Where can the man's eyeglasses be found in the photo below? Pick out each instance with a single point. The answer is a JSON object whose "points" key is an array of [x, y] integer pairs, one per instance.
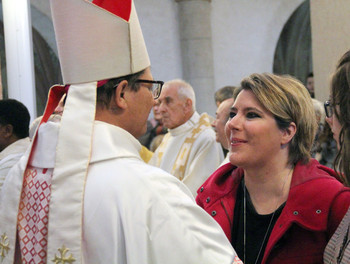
{"points": [[156, 88], [328, 107]]}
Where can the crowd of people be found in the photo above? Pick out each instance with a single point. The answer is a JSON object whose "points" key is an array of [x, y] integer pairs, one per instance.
{"points": [[96, 180]]}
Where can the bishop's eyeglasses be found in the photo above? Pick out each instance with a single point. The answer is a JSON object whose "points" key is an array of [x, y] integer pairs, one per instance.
{"points": [[156, 86]]}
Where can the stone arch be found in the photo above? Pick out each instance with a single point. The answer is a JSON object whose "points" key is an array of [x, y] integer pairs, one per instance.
{"points": [[293, 54]]}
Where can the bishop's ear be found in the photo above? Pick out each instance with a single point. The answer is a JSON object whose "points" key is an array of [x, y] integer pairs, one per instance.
{"points": [[120, 94]]}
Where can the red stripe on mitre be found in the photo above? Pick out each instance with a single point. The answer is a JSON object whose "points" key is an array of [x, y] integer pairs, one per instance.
{"points": [[121, 8]]}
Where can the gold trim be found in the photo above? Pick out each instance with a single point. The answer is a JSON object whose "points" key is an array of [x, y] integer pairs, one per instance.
{"points": [[4, 246], [181, 160], [63, 259], [161, 148], [184, 153]]}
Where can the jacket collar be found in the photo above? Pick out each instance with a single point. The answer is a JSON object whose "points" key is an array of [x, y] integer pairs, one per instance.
{"points": [[220, 182], [219, 185]]}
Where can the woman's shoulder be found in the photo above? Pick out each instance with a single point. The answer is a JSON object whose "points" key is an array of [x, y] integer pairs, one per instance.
{"points": [[315, 180], [314, 171], [221, 182]]}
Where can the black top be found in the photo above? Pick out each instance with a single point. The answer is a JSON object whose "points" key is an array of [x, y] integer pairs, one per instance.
{"points": [[255, 230]]}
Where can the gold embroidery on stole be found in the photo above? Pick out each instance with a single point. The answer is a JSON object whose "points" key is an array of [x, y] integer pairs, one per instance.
{"points": [[162, 148], [63, 259], [4, 246], [181, 160]]}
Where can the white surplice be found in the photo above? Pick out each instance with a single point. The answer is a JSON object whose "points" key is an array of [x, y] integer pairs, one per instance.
{"points": [[11, 155], [132, 212], [203, 158]]}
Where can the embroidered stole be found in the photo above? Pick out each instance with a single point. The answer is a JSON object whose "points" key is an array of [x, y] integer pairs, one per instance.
{"points": [[181, 160], [33, 214]]}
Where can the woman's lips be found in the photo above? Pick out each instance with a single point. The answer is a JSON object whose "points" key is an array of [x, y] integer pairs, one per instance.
{"points": [[237, 141]]}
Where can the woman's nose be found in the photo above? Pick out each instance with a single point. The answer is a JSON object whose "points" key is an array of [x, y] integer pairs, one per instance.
{"points": [[234, 122]]}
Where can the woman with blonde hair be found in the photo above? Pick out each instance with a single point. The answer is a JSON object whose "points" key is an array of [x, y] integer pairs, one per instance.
{"points": [[338, 117], [274, 203]]}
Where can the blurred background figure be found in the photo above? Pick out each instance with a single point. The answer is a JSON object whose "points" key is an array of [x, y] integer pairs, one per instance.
{"points": [[155, 128], [328, 146], [223, 93], [320, 119], [309, 83], [14, 131], [338, 117], [156, 141], [222, 115]]}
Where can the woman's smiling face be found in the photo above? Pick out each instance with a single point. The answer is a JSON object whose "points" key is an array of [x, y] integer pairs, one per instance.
{"points": [[254, 137]]}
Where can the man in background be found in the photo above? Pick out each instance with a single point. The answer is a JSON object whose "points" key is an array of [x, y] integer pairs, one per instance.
{"points": [[189, 150], [14, 131], [223, 93], [155, 128], [310, 84], [222, 115]]}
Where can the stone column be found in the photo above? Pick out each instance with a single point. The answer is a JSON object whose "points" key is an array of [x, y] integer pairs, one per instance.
{"points": [[197, 51], [19, 53], [330, 27]]}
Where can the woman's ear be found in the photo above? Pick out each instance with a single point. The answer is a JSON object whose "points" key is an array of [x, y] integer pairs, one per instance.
{"points": [[119, 97], [288, 133]]}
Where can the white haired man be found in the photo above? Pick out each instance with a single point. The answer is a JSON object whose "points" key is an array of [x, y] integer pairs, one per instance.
{"points": [[189, 150]]}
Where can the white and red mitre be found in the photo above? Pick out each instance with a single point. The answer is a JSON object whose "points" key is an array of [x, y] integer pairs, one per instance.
{"points": [[96, 41]]}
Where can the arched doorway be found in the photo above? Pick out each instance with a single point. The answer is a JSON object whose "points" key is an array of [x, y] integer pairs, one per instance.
{"points": [[293, 53], [47, 68]]}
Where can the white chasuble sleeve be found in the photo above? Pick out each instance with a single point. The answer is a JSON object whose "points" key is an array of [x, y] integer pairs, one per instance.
{"points": [[138, 214]]}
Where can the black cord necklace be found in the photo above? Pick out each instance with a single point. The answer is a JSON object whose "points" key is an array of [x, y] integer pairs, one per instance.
{"points": [[245, 220]]}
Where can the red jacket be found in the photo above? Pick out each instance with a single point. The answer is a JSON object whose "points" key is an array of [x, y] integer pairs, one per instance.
{"points": [[316, 204]]}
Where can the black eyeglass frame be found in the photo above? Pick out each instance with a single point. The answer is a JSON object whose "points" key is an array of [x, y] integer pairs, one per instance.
{"points": [[155, 92], [328, 107]]}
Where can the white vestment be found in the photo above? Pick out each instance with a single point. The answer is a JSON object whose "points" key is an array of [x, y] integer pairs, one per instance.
{"points": [[133, 213], [189, 153], [226, 160], [10, 156]]}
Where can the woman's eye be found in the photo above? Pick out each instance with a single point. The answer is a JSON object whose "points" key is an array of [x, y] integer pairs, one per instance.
{"points": [[232, 114], [252, 115]]}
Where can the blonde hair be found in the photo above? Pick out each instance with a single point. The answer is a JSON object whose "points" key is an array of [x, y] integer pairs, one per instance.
{"points": [[289, 101]]}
